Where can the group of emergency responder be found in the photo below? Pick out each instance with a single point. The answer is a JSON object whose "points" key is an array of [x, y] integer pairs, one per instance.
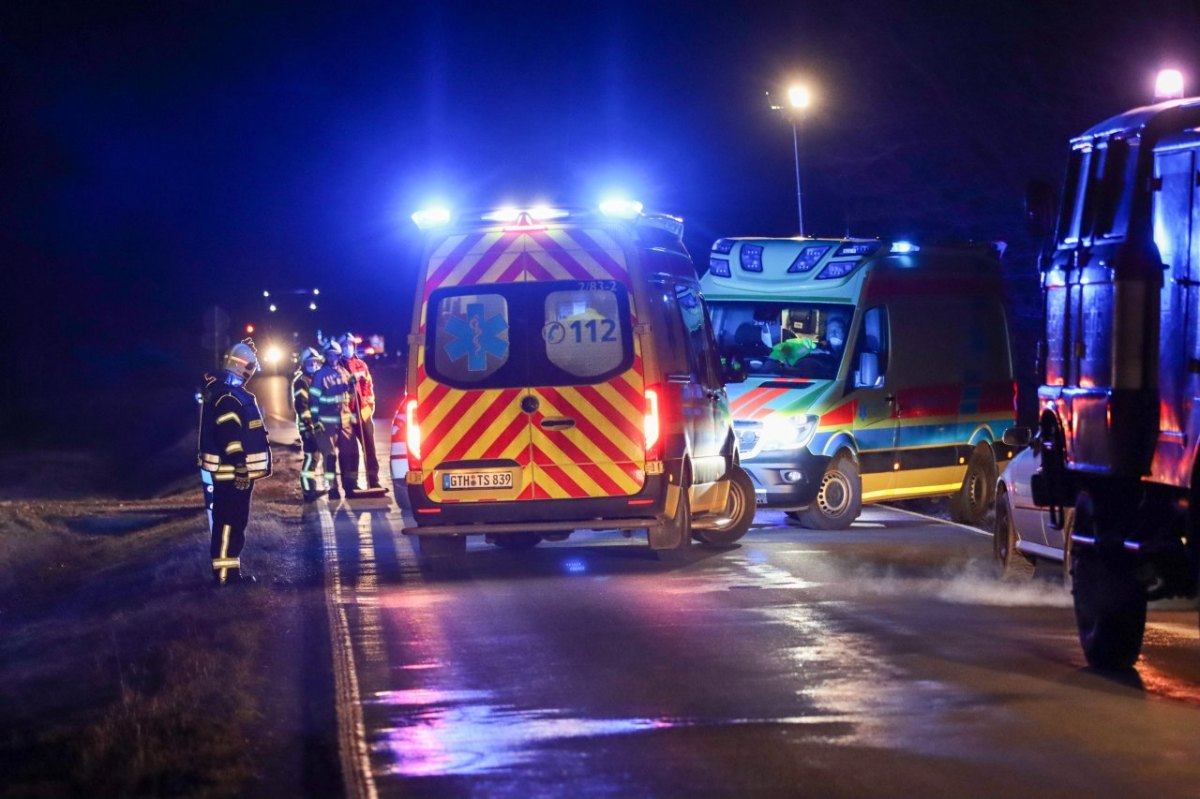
{"points": [[333, 396]]}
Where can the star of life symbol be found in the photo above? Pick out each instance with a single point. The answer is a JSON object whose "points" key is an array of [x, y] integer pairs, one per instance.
{"points": [[475, 338]]}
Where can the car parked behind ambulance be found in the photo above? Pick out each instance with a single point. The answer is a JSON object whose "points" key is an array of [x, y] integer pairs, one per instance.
{"points": [[563, 375], [874, 371]]}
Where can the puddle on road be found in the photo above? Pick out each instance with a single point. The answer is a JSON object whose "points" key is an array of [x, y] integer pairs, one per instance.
{"points": [[466, 732], [120, 523]]}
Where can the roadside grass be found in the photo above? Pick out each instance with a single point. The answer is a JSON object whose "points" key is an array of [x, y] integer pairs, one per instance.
{"points": [[123, 673]]}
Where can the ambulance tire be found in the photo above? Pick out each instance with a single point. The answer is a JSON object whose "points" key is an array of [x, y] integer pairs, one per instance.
{"points": [[444, 553], [970, 503], [518, 541], [738, 515], [839, 498], [679, 527], [1110, 603]]}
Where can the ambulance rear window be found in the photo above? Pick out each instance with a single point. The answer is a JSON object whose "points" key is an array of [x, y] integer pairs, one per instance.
{"points": [[538, 333]]}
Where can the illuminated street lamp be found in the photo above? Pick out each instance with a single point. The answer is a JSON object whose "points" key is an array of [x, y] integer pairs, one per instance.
{"points": [[798, 100], [1168, 85]]}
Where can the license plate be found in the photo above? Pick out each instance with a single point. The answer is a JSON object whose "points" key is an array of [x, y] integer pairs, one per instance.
{"points": [[460, 481]]}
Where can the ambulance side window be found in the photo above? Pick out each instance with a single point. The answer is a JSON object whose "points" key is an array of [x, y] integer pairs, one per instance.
{"points": [[700, 345], [871, 352]]}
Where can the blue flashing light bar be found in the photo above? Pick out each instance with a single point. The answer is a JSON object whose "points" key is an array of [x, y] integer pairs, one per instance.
{"points": [[837, 269], [751, 257], [723, 246], [435, 216], [621, 208], [719, 267], [807, 259], [862, 248], [904, 247]]}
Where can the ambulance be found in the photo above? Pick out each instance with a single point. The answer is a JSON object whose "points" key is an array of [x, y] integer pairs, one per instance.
{"points": [[563, 375], [873, 371]]}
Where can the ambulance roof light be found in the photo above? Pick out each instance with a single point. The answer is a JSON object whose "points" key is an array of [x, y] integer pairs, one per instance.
{"points": [[434, 216], [904, 247], [620, 207], [509, 214], [1168, 85]]}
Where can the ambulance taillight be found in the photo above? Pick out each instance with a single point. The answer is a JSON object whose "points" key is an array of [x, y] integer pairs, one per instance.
{"points": [[651, 426], [412, 434]]}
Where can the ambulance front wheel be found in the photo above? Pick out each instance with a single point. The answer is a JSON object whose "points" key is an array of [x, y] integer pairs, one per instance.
{"points": [[839, 497], [733, 522], [970, 504]]}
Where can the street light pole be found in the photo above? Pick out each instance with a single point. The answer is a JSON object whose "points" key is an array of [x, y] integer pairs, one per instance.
{"points": [[799, 201]]}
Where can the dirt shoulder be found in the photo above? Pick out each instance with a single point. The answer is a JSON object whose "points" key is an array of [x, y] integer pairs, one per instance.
{"points": [[123, 673]]}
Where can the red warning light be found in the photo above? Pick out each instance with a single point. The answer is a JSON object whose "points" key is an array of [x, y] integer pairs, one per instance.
{"points": [[249, 328]]}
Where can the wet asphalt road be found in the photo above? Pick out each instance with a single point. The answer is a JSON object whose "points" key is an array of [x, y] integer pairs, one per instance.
{"points": [[880, 661]]}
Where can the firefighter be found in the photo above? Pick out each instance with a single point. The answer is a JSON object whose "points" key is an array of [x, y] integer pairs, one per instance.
{"points": [[331, 393], [363, 406], [314, 444], [233, 455]]}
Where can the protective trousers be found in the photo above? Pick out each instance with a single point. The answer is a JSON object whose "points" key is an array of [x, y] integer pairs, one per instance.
{"points": [[342, 439], [316, 454], [365, 431], [230, 514]]}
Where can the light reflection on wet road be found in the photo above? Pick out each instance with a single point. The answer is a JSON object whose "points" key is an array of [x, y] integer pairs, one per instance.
{"points": [[883, 660]]}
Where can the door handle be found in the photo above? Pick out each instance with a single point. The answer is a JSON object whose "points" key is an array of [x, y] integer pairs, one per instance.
{"points": [[557, 423]]}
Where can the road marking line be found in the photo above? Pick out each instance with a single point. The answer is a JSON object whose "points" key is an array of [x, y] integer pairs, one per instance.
{"points": [[357, 778], [967, 527]]}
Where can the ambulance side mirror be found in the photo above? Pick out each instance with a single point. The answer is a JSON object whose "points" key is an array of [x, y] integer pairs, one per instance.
{"points": [[868, 370]]}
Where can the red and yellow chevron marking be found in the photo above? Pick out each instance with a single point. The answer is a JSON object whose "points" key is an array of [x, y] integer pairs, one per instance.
{"points": [[496, 256], [603, 455]]}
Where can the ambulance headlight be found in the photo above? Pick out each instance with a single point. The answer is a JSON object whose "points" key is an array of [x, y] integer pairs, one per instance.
{"points": [[789, 432]]}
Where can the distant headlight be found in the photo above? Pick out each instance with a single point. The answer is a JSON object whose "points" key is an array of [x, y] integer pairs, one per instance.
{"points": [[273, 355], [789, 432]]}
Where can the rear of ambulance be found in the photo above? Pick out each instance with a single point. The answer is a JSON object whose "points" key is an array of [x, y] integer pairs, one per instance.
{"points": [[527, 408]]}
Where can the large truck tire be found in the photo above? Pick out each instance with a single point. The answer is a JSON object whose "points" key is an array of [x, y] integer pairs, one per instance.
{"points": [[970, 503], [839, 498], [1110, 604], [733, 522]]}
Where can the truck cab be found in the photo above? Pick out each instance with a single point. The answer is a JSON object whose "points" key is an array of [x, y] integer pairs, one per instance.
{"points": [[1119, 418]]}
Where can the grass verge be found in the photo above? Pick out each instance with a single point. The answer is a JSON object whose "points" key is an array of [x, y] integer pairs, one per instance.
{"points": [[123, 673]]}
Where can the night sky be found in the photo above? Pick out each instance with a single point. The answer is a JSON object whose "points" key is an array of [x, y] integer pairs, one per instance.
{"points": [[160, 158]]}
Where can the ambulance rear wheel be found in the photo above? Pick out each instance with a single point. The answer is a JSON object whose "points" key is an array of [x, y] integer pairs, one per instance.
{"points": [[733, 522], [839, 498], [970, 504], [677, 530]]}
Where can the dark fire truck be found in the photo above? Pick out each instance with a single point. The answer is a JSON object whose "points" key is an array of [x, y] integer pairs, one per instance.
{"points": [[1120, 401]]}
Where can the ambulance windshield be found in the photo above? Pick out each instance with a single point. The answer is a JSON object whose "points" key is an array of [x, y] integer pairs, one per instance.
{"points": [[787, 339]]}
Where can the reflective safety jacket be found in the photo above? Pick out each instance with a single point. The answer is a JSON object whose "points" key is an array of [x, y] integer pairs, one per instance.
{"points": [[363, 384], [232, 434], [306, 419], [330, 396]]}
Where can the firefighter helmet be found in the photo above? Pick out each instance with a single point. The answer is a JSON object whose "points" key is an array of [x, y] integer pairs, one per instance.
{"points": [[242, 360], [311, 360], [349, 344], [332, 348]]}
